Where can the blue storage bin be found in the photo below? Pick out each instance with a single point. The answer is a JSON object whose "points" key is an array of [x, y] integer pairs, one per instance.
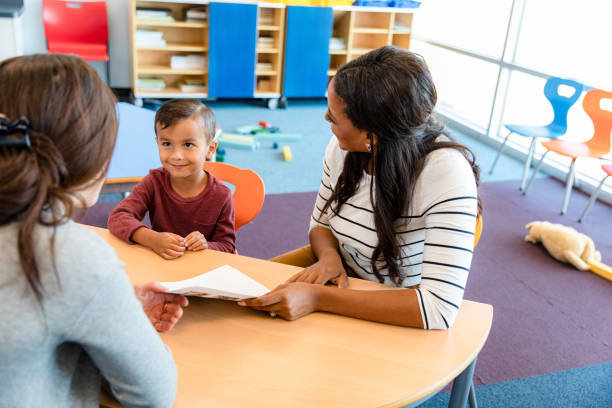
{"points": [[374, 3], [406, 3]]}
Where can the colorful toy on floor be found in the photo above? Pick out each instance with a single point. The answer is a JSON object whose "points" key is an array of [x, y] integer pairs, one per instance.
{"points": [[264, 132], [220, 155], [227, 142], [287, 153], [565, 244]]}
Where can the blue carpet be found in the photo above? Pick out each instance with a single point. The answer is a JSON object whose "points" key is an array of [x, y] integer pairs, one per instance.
{"points": [[583, 387], [305, 117]]}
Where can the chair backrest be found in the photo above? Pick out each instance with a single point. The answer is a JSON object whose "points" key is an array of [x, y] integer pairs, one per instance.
{"points": [[249, 190], [602, 120], [561, 104], [478, 231], [76, 22]]}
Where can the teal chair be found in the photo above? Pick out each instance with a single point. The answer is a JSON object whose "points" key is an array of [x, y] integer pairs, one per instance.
{"points": [[558, 127]]}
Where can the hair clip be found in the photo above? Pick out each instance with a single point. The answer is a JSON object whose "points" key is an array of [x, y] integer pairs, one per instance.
{"points": [[9, 132]]}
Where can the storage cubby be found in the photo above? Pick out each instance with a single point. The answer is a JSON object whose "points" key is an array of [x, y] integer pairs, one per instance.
{"points": [[363, 31], [363, 43], [261, 50], [269, 50], [372, 21], [170, 47]]}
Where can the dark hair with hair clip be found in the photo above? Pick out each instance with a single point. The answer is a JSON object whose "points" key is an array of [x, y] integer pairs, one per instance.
{"points": [[389, 93], [9, 132], [57, 134]]}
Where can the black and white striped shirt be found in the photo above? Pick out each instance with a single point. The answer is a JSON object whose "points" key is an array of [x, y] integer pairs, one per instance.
{"points": [[436, 237]]}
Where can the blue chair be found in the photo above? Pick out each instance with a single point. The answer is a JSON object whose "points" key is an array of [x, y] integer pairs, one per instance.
{"points": [[558, 127]]}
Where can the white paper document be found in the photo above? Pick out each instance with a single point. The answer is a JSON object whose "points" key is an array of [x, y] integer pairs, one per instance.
{"points": [[224, 282]]}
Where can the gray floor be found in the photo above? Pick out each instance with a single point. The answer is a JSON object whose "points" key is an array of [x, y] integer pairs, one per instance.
{"points": [[303, 172]]}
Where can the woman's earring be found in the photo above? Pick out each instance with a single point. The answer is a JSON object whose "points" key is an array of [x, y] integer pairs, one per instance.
{"points": [[369, 147]]}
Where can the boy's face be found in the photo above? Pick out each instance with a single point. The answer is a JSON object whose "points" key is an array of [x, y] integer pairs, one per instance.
{"points": [[183, 148]]}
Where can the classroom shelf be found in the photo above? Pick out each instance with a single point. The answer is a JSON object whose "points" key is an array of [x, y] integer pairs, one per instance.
{"points": [[174, 47], [367, 30], [290, 45], [171, 92], [270, 34], [162, 70], [174, 24], [269, 28], [267, 50]]}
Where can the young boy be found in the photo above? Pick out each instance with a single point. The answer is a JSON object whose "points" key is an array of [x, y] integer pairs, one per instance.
{"points": [[189, 208]]}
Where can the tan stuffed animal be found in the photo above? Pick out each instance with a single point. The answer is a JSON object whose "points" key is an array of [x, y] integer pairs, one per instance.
{"points": [[564, 243]]}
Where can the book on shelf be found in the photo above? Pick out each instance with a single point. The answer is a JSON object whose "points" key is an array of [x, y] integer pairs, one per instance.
{"points": [[264, 66], [192, 85], [265, 42], [151, 84], [266, 16], [152, 12], [188, 62], [196, 14], [336, 43], [155, 19], [225, 283], [149, 38]]}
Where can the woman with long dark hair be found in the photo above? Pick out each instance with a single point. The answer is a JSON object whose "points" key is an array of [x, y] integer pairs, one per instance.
{"points": [[397, 204]]}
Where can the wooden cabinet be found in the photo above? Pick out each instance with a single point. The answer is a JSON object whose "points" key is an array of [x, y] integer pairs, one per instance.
{"points": [[363, 29], [155, 40], [307, 51], [269, 49], [204, 49], [232, 50]]}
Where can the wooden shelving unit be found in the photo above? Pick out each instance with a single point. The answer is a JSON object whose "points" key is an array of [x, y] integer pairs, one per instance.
{"points": [[260, 57], [269, 50], [363, 31], [182, 38]]}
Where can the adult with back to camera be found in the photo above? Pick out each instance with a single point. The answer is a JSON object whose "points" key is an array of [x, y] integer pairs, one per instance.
{"points": [[70, 315]]}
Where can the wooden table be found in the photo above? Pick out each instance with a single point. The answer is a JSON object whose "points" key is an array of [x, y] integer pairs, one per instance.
{"points": [[230, 356]]}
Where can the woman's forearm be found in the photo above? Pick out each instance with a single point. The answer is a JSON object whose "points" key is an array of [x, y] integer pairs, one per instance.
{"points": [[323, 243], [394, 306]]}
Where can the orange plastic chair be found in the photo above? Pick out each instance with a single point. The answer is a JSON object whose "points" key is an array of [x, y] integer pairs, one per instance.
{"points": [[596, 147], [478, 231], [607, 168], [249, 193]]}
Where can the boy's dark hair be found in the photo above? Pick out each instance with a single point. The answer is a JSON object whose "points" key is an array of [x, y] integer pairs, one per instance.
{"points": [[177, 109]]}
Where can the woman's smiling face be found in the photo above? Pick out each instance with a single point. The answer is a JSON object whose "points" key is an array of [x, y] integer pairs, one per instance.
{"points": [[349, 137]]}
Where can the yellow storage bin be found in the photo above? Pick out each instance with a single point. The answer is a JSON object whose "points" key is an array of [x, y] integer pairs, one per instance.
{"points": [[331, 3], [305, 2]]}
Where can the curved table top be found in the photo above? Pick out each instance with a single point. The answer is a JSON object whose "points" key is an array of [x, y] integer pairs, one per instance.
{"points": [[232, 356]]}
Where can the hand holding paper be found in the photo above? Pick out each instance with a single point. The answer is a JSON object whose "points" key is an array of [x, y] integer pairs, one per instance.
{"points": [[224, 282]]}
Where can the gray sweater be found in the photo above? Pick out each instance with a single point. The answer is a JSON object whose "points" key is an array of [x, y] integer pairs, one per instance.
{"points": [[90, 326]]}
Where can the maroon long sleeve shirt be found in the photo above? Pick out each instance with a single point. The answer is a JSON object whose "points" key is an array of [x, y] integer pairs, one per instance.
{"points": [[211, 212]]}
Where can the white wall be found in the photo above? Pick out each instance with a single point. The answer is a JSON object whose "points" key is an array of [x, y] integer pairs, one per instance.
{"points": [[118, 31]]}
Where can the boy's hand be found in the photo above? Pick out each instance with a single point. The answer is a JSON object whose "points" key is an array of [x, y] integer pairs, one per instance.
{"points": [[168, 245], [196, 241]]}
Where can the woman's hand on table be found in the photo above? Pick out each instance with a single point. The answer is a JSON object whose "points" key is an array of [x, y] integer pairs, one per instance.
{"points": [[163, 309], [321, 272], [289, 300]]}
